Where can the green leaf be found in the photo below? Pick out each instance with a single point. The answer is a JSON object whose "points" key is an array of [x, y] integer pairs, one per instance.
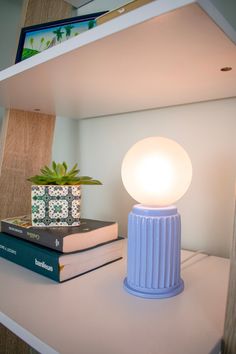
{"points": [[91, 181], [54, 166], [47, 172], [60, 170], [73, 174], [65, 166], [74, 169], [58, 175], [81, 178]]}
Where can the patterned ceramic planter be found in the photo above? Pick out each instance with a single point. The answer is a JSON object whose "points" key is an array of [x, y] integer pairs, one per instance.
{"points": [[55, 205]]}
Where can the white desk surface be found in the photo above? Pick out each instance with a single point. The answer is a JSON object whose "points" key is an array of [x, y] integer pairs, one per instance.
{"points": [[92, 314]]}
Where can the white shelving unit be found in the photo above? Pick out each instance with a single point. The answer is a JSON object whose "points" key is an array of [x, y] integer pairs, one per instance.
{"points": [[166, 53], [93, 314], [161, 54]]}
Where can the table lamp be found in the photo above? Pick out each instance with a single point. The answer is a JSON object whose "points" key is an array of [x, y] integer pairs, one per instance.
{"points": [[156, 172]]}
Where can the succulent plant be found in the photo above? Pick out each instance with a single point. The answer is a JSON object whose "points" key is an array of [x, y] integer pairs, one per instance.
{"points": [[58, 174]]}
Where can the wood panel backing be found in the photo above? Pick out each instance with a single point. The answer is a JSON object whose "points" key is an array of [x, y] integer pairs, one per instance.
{"points": [[229, 340], [10, 343], [26, 144], [26, 141], [40, 11]]}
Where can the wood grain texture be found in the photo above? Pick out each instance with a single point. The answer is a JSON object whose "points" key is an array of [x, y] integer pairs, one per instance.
{"points": [[26, 137], [28, 143], [40, 11], [229, 340], [10, 343]]}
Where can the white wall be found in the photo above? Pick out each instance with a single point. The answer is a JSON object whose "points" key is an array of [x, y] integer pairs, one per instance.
{"points": [[100, 5], [227, 9], [10, 21], [206, 130], [223, 13], [2, 113], [65, 143]]}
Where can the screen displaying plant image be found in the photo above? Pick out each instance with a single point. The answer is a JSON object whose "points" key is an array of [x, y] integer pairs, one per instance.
{"points": [[38, 38], [37, 41]]}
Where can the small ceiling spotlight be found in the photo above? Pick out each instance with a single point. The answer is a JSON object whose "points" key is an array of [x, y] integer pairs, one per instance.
{"points": [[226, 68]]}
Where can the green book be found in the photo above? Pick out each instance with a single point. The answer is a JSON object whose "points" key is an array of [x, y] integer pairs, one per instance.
{"points": [[56, 265]]}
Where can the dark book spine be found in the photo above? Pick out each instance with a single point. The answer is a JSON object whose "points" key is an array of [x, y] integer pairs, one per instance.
{"points": [[29, 234], [30, 256]]}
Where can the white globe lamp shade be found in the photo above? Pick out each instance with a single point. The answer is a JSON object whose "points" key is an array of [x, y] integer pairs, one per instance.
{"points": [[156, 171]]}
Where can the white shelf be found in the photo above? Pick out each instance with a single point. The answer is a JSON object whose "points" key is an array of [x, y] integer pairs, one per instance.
{"points": [[93, 314], [161, 54]]}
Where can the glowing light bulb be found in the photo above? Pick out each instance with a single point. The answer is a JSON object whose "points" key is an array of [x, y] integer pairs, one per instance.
{"points": [[156, 171]]}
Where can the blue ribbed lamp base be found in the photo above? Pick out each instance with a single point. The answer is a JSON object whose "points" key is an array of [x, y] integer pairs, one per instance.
{"points": [[154, 245], [157, 294]]}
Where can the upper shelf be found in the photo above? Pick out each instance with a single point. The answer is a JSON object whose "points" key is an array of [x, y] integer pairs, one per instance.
{"points": [[161, 54]]}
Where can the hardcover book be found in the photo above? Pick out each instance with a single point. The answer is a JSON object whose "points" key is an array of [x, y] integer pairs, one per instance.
{"points": [[56, 265], [63, 239]]}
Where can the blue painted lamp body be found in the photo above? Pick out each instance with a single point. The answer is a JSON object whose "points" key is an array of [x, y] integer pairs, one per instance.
{"points": [[154, 245]]}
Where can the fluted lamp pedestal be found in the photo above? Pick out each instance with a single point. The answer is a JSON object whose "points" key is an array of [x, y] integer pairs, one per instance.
{"points": [[154, 245]]}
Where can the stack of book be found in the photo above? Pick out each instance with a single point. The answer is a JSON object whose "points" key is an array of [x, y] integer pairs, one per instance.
{"points": [[60, 253]]}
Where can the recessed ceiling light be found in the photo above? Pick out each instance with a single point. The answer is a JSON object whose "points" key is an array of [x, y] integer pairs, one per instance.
{"points": [[226, 68]]}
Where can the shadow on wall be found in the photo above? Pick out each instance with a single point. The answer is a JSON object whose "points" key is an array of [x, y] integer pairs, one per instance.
{"points": [[2, 113], [1, 118], [100, 5], [10, 23]]}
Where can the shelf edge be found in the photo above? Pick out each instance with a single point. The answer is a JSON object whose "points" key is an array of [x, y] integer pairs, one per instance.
{"points": [[132, 18]]}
